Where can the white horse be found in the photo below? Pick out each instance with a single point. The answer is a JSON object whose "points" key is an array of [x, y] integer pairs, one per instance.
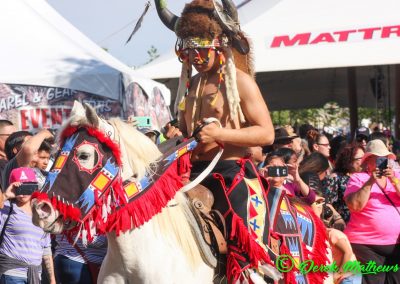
{"points": [[163, 250]]}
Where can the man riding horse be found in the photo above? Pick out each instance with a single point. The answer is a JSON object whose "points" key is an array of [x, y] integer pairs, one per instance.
{"points": [[210, 39]]}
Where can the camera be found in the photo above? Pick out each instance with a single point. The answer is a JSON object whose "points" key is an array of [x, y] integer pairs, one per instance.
{"points": [[277, 171], [326, 212], [381, 164], [26, 188], [143, 121]]}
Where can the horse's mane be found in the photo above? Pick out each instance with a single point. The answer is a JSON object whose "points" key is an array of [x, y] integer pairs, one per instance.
{"points": [[139, 156], [175, 222], [139, 153]]}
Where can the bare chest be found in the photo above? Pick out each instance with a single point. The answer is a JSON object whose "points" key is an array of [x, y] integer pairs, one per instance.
{"points": [[206, 100]]}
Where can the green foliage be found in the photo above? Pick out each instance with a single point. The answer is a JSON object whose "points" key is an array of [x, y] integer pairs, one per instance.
{"points": [[153, 54], [329, 115]]}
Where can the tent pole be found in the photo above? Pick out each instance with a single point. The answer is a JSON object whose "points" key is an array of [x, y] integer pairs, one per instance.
{"points": [[397, 102], [353, 105]]}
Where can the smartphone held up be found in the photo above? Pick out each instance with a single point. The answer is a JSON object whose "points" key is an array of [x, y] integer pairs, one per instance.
{"points": [[277, 171], [381, 164], [26, 188]]}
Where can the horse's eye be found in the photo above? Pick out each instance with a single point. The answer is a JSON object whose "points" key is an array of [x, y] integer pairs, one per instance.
{"points": [[87, 157], [83, 156]]}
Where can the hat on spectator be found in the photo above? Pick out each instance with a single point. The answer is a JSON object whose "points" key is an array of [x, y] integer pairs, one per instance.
{"points": [[22, 175], [376, 148], [282, 136], [362, 132], [148, 130]]}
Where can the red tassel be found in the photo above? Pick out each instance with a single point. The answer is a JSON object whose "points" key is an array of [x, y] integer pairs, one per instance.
{"points": [[247, 243], [140, 210], [319, 253], [289, 277], [40, 196], [233, 269]]}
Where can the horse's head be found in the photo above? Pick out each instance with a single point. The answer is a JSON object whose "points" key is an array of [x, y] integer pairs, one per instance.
{"points": [[84, 185]]}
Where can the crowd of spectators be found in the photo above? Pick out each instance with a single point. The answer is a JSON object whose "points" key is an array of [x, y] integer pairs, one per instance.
{"points": [[354, 183], [27, 253], [342, 179]]}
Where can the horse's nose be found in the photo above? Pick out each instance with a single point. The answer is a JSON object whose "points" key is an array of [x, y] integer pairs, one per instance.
{"points": [[43, 210]]}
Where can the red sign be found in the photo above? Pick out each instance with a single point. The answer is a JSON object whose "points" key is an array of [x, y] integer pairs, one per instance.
{"points": [[336, 37], [43, 117]]}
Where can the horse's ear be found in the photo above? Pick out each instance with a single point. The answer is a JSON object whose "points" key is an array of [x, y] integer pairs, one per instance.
{"points": [[91, 115], [77, 109]]}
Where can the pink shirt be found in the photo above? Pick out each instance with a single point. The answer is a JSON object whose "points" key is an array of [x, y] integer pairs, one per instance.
{"points": [[378, 223]]}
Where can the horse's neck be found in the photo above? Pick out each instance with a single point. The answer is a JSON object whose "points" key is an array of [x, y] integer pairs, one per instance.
{"points": [[163, 246], [168, 231]]}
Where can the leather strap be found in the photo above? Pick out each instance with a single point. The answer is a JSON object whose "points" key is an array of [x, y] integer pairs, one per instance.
{"points": [[5, 223]]}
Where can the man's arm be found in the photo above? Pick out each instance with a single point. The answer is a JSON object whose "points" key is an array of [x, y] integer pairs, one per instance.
{"points": [[30, 147], [49, 266], [259, 133]]}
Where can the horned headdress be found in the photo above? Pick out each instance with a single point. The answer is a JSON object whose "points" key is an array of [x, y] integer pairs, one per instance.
{"points": [[210, 24]]}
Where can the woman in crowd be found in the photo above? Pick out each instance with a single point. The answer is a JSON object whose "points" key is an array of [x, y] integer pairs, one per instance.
{"points": [[293, 182], [23, 246], [294, 187], [348, 161], [318, 142], [315, 163], [373, 197], [337, 144]]}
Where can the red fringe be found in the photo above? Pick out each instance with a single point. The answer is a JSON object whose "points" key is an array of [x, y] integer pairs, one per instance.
{"points": [[67, 211], [233, 269], [289, 276], [101, 136], [143, 208], [319, 253], [128, 215], [245, 243]]}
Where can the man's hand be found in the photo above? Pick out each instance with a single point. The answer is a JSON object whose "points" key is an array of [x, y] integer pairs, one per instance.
{"points": [[209, 133], [171, 131]]}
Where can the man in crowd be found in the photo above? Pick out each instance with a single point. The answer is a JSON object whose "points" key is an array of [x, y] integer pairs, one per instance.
{"points": [[6, 129], [362, 136], [21, 149]]}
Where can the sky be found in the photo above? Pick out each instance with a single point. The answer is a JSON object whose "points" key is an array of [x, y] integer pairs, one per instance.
{"points": [[109, 24]]}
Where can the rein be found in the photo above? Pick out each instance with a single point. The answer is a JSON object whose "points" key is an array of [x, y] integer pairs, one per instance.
{"points": [[214, 161], [178, 151]]}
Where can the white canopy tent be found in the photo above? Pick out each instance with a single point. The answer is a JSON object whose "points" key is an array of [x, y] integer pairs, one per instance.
{"points": [[40, 48], [311, 34]]}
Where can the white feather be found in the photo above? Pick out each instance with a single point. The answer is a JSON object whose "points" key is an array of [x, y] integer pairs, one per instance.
{"points": [[256, 278], [271, 271]]}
